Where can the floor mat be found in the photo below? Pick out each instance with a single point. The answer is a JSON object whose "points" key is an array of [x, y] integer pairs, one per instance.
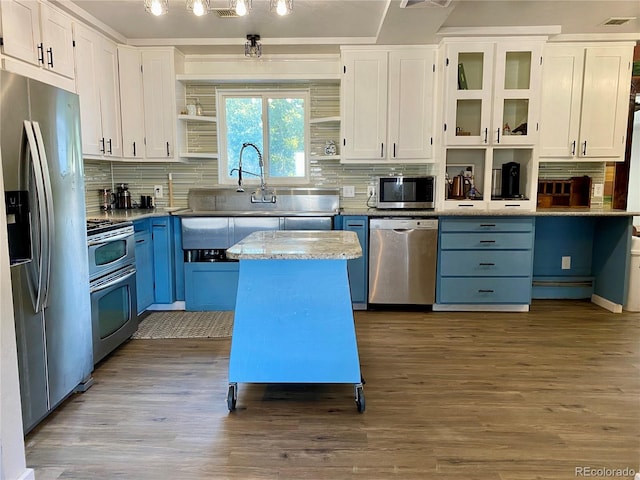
{"points": [[178, 324]]}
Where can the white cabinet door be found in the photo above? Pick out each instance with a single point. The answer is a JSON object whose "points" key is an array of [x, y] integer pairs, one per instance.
{"points": [[364, 95], [158, 80], [469, 87], [585, 101], [57, 38], [492, 93], [97, 86], [561, 99], [516, 94], [87, 51], [131, 101], [21, 30], [605, 98], [107, 70], [411, 107]]}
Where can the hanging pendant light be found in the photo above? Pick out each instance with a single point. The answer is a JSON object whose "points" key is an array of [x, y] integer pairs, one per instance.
{"points": [[156, 7], [253, 47], [281, 7], [199, 7], [241, 7]]}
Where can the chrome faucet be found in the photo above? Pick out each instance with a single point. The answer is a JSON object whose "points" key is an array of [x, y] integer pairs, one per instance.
{"points": [[261, 195]]}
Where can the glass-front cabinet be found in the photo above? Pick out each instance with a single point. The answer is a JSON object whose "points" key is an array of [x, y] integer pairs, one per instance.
{"points": [[492, 92]]}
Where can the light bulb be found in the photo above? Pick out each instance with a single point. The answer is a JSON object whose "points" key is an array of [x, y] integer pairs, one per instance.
{"points": [[156, 8], [198, 8], [241, 8], [281, 7]]}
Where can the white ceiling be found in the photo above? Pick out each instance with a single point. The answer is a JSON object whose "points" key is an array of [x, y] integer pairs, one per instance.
{"points": [[320, 26]]}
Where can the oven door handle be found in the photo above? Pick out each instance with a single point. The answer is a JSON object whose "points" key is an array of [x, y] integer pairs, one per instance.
{"points": [[112, 283], [110, 239]]}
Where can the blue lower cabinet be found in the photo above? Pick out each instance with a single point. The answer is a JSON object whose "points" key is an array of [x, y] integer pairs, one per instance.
{"points": [[485, 261], [144, 269], [210, 285], [163, 259], [357, 267], [178, 259]]}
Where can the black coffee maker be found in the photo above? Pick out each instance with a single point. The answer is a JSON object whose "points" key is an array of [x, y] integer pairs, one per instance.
{"points": [[511, 180]]}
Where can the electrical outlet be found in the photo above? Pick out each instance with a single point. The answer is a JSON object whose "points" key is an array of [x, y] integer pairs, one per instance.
{"points": [[371, 191], [598, 189], [157, 189], [566, 263], [348, 191]]}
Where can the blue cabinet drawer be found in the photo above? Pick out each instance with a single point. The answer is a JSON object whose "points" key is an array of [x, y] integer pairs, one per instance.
{"points": [[486, 224], [485, 290], [486, 241], [492, 263]]}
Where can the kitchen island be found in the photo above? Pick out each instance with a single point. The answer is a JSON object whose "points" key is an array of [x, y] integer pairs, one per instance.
{"points": [[293, 317]]}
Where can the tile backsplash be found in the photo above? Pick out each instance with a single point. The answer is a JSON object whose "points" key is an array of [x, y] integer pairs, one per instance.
{"points": [[142, 176]]}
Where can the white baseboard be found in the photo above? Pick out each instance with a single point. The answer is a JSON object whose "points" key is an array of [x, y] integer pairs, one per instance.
{"points": [[27, 475], [606, 304], [440, 307], [180, 305]]}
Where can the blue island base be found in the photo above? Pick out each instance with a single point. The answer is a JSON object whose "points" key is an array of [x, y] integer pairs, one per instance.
{"points": [[293, 324]]}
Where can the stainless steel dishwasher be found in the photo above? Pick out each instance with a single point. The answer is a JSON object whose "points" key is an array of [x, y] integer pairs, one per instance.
{"points": [[402, 260]]}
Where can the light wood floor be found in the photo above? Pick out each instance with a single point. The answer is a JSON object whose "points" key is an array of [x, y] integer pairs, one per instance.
{"points": [[449, 396]]}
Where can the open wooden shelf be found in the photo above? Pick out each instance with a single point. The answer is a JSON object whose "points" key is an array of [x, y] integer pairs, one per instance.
{"points": [[574, 192]]}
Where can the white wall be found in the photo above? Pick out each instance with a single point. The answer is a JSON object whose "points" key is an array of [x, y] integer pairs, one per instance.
{"points": [[12, 459], [633, 199]]}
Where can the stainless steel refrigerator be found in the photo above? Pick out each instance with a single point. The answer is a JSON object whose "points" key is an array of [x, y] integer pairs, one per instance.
{"points": [[40, 146]]}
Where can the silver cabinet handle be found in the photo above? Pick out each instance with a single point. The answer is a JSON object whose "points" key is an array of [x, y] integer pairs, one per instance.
{"points": [[381, 150], [41, 53], [573, 148], [584, 148], [498, 135], [102, 149], [110, 149], [50, 55], [486, 135], [168, 154]]}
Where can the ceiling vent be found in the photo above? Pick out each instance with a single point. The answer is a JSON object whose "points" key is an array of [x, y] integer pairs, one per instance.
{"points": [[225, 12], [618, 20], [424, 3]]}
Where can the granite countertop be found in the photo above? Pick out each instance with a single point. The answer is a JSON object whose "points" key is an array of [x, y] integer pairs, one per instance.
{"points": [[297, 245], [565, 212], [140, 213], [131, 214]]}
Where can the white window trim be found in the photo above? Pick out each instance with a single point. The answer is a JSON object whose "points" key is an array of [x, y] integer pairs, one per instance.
{"points": [[223, 161]]}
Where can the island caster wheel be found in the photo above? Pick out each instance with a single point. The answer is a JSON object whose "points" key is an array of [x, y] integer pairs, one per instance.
{"points": [[360, 399], [232, 396]]}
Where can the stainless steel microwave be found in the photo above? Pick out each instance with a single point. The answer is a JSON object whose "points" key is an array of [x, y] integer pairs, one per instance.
{"points": [[406, 192]]}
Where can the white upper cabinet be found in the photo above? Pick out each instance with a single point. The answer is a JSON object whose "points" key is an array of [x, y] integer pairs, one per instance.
{"points": [[387, 105], [131, 101], [97, 86], [38, 34], [585, 101], [364, 105], [57, 37], [159, 85], [492, 92]]}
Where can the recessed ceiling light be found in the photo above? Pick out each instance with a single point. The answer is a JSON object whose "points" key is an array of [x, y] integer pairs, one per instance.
{"points": [[615, 21]]}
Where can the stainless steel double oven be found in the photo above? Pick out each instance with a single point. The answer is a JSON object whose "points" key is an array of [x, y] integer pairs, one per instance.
{"points": [[112, 283]]}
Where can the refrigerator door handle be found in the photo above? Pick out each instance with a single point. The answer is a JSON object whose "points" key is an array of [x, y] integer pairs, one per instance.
{"points": [[48, 195], [39, 245]]}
